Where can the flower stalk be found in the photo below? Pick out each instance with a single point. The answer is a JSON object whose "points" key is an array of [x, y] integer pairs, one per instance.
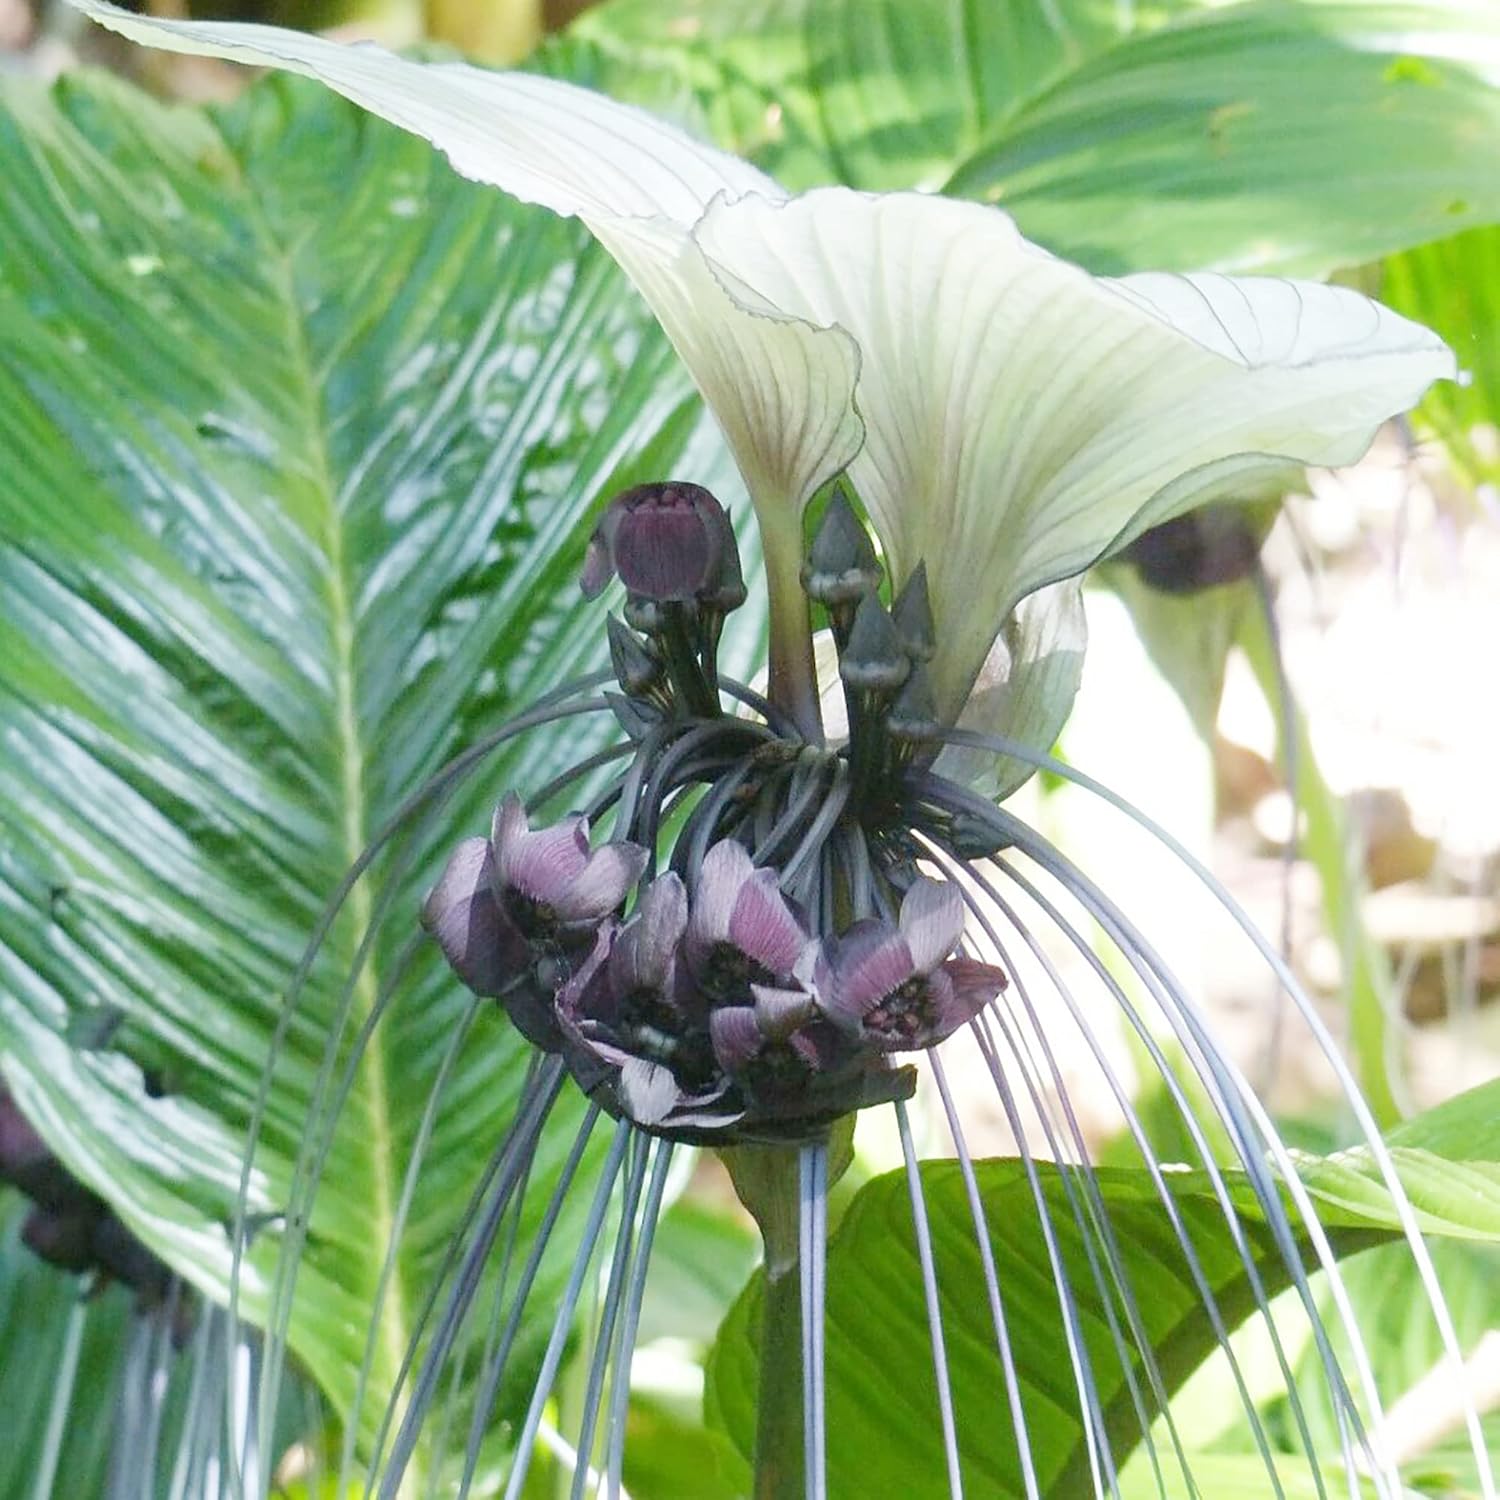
{"points": [[766, 1179]]}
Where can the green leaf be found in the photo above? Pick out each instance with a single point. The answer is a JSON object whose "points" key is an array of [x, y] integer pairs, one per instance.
{"points": [[882, 1417], [301, 435], [667, 1458], [701, 1258], [1266, 135], [80, 1360], [59, 1376], [1454, 287]]}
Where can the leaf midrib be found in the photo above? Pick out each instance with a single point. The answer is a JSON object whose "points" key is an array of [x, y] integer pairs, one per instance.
{"points": [[392, 1317]]}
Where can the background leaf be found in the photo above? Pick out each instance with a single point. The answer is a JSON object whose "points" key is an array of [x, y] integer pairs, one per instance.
{"points": [[301, 436], [1293, 136], [882, 1411], [82, 1368], [1454, 287]]}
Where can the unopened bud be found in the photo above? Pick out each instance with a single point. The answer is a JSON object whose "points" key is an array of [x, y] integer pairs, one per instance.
{"points": [[841, 566], [668, 542], [1200, 550], [913, 716], [975, 838], [912, 613], [645, 615], [634, 715], [638, 668], [873, 660]]}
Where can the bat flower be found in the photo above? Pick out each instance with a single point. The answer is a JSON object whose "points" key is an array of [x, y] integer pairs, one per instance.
{"points": [[895, 988], [635, 1023], [1004, 420], [792, 1068], [524, 896], [742, 931], [666, 542]]}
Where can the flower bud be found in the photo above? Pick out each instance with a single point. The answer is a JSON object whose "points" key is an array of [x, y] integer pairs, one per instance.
{"points": [[1200, 550], [912, 614], [638, 668], [841, 567], [873, 661], [668, 542], [913, 716]]}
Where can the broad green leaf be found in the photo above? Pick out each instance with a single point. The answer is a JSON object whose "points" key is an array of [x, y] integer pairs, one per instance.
{"points": [[59, 1374], [301, 434], [667, 1458], [882, 1411], [83, 1369], [1266, 135], [1454, 287]]}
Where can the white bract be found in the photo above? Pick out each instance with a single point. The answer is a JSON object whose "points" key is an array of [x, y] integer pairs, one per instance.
{"points": [[1003, 414]]}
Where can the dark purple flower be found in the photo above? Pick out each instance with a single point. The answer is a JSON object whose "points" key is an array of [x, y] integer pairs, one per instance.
{"points": [[481, 943], [669, 542], [632, 1008], [774, 1046], [795, 1070], [505, 903], [27, 1162], [550, 881], [742, 930], [891, 988]]}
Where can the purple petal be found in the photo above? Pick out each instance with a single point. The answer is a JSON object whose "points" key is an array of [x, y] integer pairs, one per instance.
{"points": [[763, 926], [545, 864], [726, 868], [805, 1045], [868, 962], [576, 998], [602, 884], [648, 1091], [507, 830], [662, 548], [736, 1037], [932, 922], [598, 565], [779, 1013], [974, 986], [477, 938], [646, 949]]}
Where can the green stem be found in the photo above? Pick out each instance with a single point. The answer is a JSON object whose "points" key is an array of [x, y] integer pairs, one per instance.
{"points": [[765, 1177], [1368, 986], [793, 679], [683, 667], [778, 1427]]}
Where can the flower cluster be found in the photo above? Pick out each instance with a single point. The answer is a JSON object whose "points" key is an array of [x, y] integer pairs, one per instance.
{"points": [[706, 1002], [73, 1228], [704, 1015]]}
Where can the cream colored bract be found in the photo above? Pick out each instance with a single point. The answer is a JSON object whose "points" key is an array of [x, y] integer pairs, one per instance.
{"points": [[1004, 415]]}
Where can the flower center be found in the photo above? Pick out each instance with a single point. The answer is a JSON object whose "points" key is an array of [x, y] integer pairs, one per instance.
{"points": [[536, 920], [651, 1026], [777, 1069], [728, 973], [905, 1013]]}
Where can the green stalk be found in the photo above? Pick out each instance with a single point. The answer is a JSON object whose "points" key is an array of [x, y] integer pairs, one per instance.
{"points": [[1368, 987], [683, 667], [765, 1177], [793, 678]]}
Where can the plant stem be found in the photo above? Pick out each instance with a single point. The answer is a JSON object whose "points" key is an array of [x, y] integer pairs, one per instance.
{"points": [[779, 1473], [766, 1179], [793, 680], [1368, 986]]}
